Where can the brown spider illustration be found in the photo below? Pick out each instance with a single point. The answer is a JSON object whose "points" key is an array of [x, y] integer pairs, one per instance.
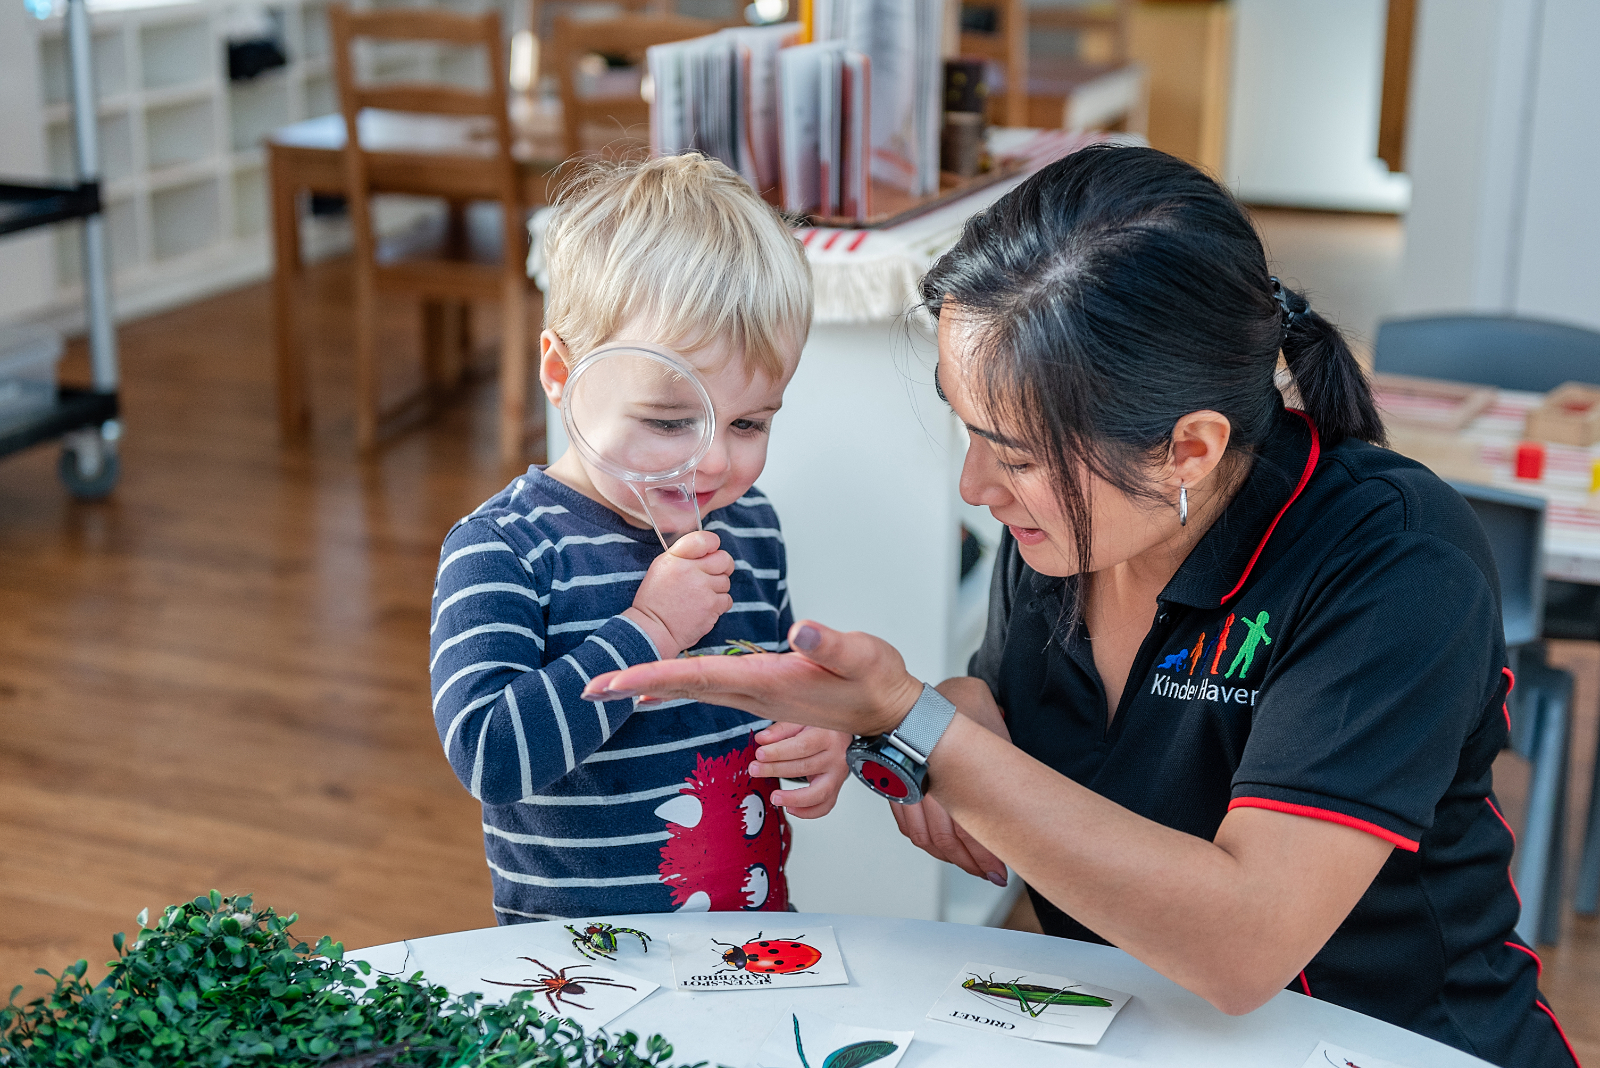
{"points": [[555, 986]]}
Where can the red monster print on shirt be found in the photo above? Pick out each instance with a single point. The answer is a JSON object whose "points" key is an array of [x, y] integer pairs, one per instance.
{"points": [[728, 841]]}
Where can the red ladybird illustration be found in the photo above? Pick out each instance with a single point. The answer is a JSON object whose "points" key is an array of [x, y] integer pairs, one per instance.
{"points": [[727, 840], [771, 956]]}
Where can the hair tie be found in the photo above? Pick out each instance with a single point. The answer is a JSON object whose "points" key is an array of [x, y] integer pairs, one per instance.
{"points": [[1281, 295]]}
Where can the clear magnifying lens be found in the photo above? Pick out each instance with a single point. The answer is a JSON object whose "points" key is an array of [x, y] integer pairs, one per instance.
{"points": [[641, 415]]}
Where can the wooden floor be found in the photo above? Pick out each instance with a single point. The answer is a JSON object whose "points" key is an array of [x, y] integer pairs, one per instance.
{"points": [[218, 677]]}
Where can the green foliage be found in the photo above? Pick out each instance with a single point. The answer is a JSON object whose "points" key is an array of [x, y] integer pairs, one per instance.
{"points": [[217, 982]]}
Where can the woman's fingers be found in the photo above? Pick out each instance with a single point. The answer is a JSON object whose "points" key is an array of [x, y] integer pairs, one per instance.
{"points": [[778, 732], [854, 683], [931, 829]]}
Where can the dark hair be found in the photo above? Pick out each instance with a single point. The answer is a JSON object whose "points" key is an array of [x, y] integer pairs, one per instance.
{"points": [[1114, 292]]}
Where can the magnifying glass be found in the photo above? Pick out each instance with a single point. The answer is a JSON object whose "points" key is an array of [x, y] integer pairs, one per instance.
{"points": [[642, 416]]}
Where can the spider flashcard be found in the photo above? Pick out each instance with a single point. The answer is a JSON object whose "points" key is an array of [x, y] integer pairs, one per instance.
{"points": [[592, 992], [757, 959], [1006, 1000], [1327, 1055], [806, 1040]]}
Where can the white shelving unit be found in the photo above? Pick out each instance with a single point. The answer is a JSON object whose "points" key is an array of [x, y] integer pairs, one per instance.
{"points": [[185, 179]]}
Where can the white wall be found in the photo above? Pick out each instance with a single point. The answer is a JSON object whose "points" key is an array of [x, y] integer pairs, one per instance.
{"points": [[1303, 115], [1503, 146], [27, 261]]}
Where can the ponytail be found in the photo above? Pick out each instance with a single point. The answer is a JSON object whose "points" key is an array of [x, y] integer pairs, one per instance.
{"points": [[1333, 389]]}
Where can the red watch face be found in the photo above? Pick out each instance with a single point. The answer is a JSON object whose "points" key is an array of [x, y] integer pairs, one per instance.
{"points": [[886, 771], [882, 779]]}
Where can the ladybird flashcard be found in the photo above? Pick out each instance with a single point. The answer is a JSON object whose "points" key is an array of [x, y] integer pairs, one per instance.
{"points": [[592, 992], [806, 1040], [1006, 1000], [757, 958], [1327, 1055]]}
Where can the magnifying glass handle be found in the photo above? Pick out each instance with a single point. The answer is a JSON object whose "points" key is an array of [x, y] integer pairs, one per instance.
{"points": [[670, 506]]}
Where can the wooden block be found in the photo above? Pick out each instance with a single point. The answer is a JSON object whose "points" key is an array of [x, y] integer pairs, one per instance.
{"points": [[1429, 403], [1448, 455], [1570, 415]]}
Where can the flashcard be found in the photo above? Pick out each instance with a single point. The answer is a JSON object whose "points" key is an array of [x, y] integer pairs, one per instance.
{"points": [[591, 992], [1327, 1055], [1045, 1008], [804, 1039], [756, 958]]}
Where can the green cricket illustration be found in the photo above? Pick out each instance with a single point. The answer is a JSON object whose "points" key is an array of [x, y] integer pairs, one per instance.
{"points": [[852, 1056], [1033, 999]]}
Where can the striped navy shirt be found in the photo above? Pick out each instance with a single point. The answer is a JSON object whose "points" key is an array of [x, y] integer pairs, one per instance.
{"points": [[591, 807]]}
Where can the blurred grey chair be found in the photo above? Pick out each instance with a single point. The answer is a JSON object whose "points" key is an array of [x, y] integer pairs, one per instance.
{"points": [[1540, 705], [1494, 350], [1509, 353], [1525, 354]]}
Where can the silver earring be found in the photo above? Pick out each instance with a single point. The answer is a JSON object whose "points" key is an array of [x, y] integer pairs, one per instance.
{"points": [[1183, 505]]}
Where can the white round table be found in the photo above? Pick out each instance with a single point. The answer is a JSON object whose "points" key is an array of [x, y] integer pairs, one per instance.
{"points": [[898, 969]]}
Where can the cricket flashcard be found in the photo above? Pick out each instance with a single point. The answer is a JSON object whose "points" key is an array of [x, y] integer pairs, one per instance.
{"points": [[757, 958], [1327, 1055], [1046, 1008], [806, 1040], [592, 992]]}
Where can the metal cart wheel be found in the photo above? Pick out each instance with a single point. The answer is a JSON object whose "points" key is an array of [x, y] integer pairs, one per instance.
{"points": [[89, 466]]}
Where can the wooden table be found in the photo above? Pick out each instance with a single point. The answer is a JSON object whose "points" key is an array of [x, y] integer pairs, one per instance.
{"points": [[309, 157], [897, 970]]}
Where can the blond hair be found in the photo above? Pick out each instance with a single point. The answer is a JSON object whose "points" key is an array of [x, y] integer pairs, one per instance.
{"points": [[681, 243]]}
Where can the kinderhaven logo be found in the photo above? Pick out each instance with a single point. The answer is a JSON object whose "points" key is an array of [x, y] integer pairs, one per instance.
{"points": [[1188, 681]]}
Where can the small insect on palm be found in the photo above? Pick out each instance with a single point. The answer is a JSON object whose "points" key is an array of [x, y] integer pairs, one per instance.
{"points": [[601, 938], [558, 986], [1031, 998]]}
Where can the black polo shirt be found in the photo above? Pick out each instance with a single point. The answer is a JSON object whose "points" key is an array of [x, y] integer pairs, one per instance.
{"points": [[1332, 648]]}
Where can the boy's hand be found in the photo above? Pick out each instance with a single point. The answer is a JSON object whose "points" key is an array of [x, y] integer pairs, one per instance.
{"points": [[684, 593], [790, 751]]}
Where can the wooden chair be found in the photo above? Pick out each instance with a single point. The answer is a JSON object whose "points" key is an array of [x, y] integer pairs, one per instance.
{"points": [[543, 13], [454, 269], [1079, 92], [628, 36]]}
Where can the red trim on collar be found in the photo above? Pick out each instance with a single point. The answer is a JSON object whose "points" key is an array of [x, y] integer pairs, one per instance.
{"points": [[1326, 814], [1305, 476], [1303, 984]]}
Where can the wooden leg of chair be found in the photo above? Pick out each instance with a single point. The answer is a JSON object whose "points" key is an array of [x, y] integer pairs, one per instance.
{"points": [[366, 364], [294, 408], [435, 340], [465, 340], [513, 370]]}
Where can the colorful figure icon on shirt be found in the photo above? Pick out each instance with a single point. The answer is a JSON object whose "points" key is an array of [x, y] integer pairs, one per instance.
{"points": [[1176, 661], [1255, 636], [727, 841]]}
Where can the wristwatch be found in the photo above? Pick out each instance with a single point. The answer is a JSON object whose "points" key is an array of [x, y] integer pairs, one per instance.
{"points": [[895, 765]]}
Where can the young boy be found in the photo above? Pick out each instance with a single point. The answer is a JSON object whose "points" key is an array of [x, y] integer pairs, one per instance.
{"points": [[592, 808]]}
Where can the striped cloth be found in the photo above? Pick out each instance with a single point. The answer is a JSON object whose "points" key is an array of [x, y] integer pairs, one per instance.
{"points": [[592, 808]]}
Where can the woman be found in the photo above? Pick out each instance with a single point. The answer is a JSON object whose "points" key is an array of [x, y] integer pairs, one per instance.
{"points": [[1243, 680]]}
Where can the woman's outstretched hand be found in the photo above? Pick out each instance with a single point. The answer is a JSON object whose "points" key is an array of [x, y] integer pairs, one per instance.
{"points": [[850, 682]]}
